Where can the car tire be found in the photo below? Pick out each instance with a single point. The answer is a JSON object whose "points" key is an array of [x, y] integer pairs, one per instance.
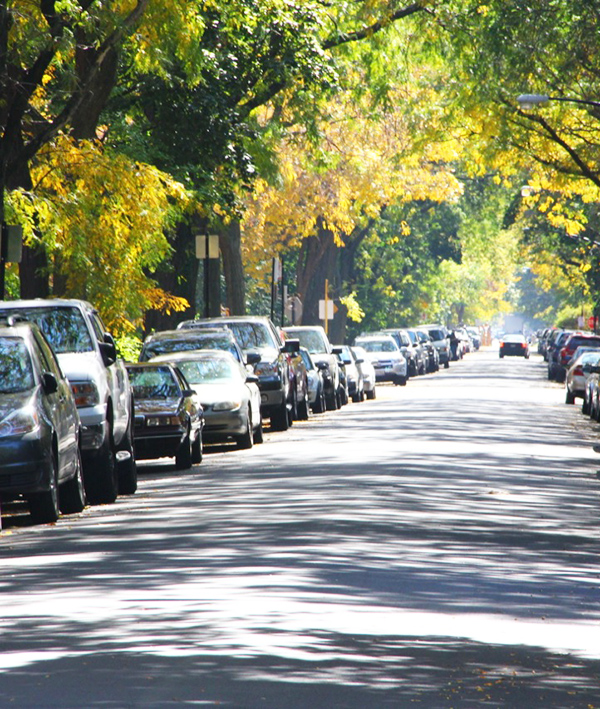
{"points": [[446, 365], [370, 394], [258, 434], [279, 418], [246, 440], [197, 449], [585, 407], [72, 493], [304, 409], [43, 506], [101, 482], [126, 465], [569, 398], [319, 405], [183, 457]]}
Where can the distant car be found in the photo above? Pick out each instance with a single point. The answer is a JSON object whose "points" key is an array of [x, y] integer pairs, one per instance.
{"points": [[475, 336], [578, 373], [384, 354], [314, 338], [441, 341], [514, 346], [40, 430], [566, 352], [227, 392], [354, 377], [185, 339], [316, 384], [257, 335], [168, 416], [407, 346], [556, 342], [301, 405], [367, 371], [433, 356]]}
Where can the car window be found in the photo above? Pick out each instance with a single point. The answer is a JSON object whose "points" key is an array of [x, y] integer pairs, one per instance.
{"points": [[16, 371], [306, 359], [311, 339], [181, 344], [49, 361], [153, 383], [251, 335], [206, 371], [64, 327], [378, 345]]}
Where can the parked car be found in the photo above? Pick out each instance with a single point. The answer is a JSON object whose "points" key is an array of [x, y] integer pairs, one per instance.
{"points": [[367, 371], [168, 416], [354, 377], [40, 430], [228, 393], [554, 347], [315, 340], [419, 350], [475, 335], [514, 346], [433, 357], [441, 341], [316, 383], [385, 356], [186, 338], [302, 406], [566, 352], [257, 334], [98, 378], [407, 347], [580, 368]]}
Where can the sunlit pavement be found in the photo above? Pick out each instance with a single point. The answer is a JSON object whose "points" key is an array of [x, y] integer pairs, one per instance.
{"points": [[436, 547]]}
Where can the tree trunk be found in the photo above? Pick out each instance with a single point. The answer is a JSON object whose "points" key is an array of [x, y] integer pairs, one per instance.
{"points": [[230, 242]]}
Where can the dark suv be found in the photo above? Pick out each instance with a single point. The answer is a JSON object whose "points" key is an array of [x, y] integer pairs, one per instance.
{"points": [[40, 431], [565, 353], [257, 335]]}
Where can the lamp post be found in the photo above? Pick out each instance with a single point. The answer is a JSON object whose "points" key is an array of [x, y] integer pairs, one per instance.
{"points": [[529, 101]]}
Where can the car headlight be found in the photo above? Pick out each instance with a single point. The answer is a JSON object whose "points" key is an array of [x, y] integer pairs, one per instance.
{"points": [[85, 394], [266, 369], [20, 422], [231, 405]]}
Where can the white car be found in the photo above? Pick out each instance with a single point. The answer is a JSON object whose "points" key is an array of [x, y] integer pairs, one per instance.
{"points": [[368, 371], [578, 373], [384, 354]]}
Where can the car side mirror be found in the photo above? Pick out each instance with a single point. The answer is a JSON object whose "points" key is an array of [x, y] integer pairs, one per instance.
{"points": [[108, 352], [291, 346], [188, 392], [336, 350], [359, 361], [322, 365], [251, 379], [49, 383], [253, 358]]}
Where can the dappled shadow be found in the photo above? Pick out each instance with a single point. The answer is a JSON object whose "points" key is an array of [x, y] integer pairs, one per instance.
{"points": [[406, 551]]}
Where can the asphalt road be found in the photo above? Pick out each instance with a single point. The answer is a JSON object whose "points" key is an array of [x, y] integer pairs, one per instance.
{"points": [[436, 547]]}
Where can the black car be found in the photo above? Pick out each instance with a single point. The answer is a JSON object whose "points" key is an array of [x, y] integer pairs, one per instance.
{"points": [[168, 418], [40, 430]]}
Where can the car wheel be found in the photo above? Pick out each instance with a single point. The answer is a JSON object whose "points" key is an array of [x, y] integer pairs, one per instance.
{"points": [[446, 365], [293, 408], [304, 409], [197, 449], [126, 465], [183, 457], [43, 506], [246, 440], [101, 484], [585, 407], [279, 418], [569, 398], [258, 434], [370, 394], [72, 493], [319, 405], [331, 402]]}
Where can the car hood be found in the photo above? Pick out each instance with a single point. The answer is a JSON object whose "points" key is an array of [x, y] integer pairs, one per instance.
{"points": [[15, 400], [209, 394], [80, 366]]}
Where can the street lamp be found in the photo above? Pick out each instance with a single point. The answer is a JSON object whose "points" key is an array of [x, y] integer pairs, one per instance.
{"points": [[529, 101]]}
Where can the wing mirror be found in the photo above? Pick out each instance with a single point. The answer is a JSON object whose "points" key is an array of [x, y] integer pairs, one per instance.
{"points": [[291, 346]]}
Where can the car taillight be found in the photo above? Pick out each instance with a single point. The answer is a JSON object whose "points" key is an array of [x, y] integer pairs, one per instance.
{"points": [[578, 372]]}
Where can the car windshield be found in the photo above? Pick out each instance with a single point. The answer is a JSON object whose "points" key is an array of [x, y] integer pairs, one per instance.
{"points": [[379, 345], [184, 344], [16, 373], [153, 382], [311, 339], [251, 335], [209, 371], [307, 360], [64, 327]]}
